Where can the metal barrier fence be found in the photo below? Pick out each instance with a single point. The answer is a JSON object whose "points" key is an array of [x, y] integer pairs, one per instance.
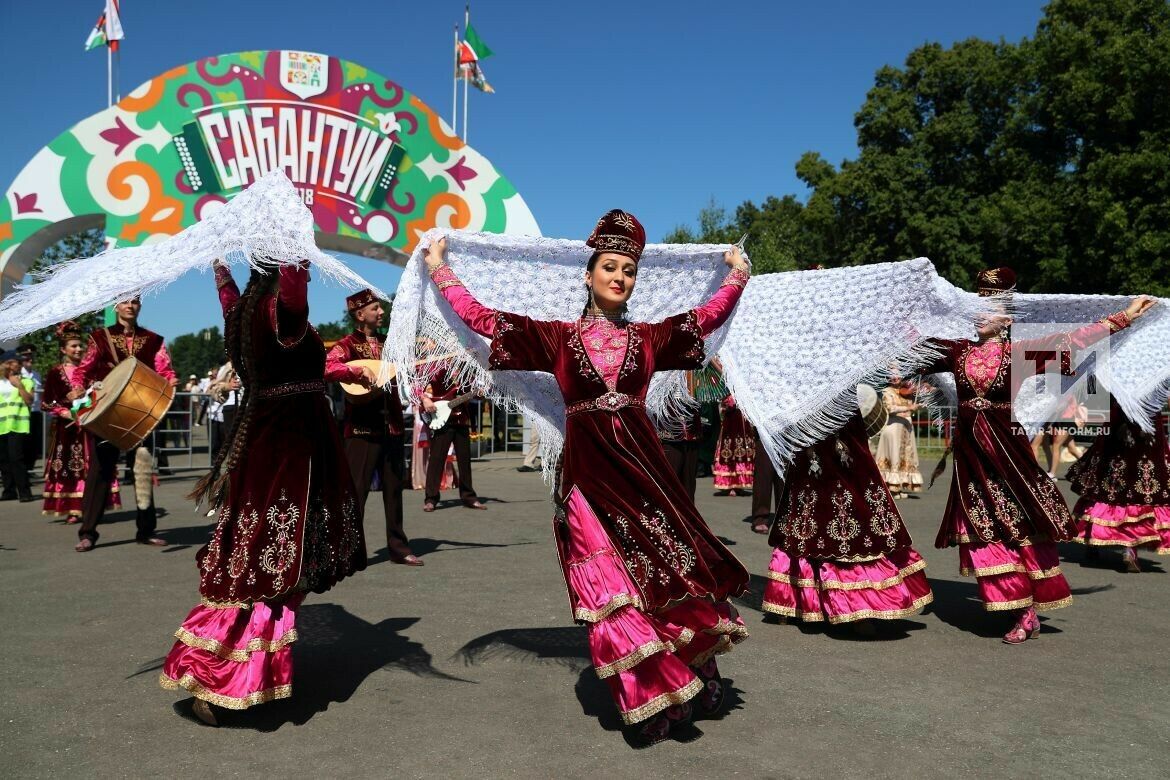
{"points": [[179, 443]]}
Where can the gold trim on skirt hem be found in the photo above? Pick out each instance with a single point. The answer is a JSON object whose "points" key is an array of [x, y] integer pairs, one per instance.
{"points": [[1088, 518], [1127, 543], [884, 614], [614, 604], [629, 661], [188, 683], [1003, 606], [659, 703], [244, 653], [1008, 568], [824, 585]]}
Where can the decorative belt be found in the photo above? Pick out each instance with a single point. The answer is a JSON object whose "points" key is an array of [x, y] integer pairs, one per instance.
{"points": [[979, 404], [610, 402], [291, 388]]}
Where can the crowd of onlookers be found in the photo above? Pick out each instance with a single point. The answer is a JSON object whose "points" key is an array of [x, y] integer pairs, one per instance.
{"points": [[21, 422]]}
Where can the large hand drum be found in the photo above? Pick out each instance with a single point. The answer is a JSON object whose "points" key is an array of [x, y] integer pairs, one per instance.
{"points": [[132, 400], [873, 411]]}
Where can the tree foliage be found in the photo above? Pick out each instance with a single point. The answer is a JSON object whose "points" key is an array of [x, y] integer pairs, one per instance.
{"points": [[1051, 155], [84, 244]]}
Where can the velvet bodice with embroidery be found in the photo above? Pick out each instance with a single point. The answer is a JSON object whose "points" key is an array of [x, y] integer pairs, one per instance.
{"points": [[612, 455]]}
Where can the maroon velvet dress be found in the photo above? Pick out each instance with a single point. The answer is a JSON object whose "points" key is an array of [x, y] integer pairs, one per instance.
{"points": [[841, 552], [735, 452], [289, 523], [70, 448], [1004, 512], [642, 568], [1124, 487]]}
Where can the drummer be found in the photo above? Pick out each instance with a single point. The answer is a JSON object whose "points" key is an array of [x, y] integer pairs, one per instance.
{"points": [[374, 434], [107, 348]]}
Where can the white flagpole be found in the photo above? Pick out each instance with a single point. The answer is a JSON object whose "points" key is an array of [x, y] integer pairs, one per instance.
{"points": [[467, 74], [109, 75], [455, 84]]}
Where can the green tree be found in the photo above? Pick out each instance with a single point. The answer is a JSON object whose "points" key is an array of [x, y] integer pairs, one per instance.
{"points": [[84, 244], [1051, 155], [195, 353]]}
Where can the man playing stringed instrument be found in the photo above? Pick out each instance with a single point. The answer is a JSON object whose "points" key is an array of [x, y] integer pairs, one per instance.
{"points": [[107, 348], [445, 400], [373, 424]]}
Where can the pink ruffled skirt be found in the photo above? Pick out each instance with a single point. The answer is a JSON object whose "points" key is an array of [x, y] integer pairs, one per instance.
{"points": [[887, 588], [235, 657], [647, 659], [1139, 525], [1016, 576]]}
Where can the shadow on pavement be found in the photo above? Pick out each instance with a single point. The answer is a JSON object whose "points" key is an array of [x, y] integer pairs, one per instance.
{"points": [[422, 545], [567, 646], [336, 652], [957, 604]]}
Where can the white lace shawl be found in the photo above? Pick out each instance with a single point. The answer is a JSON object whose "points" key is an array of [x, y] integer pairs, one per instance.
{"points": [[797, 345], [1137, 371], [802, 341], [542, 278], [265, 225]]}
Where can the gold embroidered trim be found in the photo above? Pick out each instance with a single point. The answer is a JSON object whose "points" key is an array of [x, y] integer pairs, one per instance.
{"points": [[659, 703], [188, 683], [1006, 568], [1064, 602], [1126, 543], [235, 653], [823, 585], [224, 604], [790, 612], [1001, 606], [614, 604], [884, 614], [727, 627], [1087, 518], [724, 645], [629, 661], [736, 277]]}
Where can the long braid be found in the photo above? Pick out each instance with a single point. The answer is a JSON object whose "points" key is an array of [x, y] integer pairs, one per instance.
{"points": [[238, 341]]}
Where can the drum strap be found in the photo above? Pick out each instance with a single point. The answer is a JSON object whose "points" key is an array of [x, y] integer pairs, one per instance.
{"points": [[113, 349]]}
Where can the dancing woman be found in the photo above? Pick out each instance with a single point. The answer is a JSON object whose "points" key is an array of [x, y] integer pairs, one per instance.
{"points": [[841, 551], [288, 519], [643, 570], [70, 445], [897, 450], [1004, 512], [1124, 487], [735, 452]]}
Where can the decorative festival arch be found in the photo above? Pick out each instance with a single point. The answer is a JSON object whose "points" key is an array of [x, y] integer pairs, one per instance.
{"points": [[376, 165]]}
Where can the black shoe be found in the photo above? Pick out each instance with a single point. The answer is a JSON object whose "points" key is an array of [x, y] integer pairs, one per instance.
{"points": [[526, 469], [8, 497], [26, 499]]}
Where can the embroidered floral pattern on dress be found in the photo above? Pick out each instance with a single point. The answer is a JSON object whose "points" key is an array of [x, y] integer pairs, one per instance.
{"points": [[444, 277], [1114, 482], [1007, 509], [278, 556], [978, 514], [982, 365], [676, 553], [803, 524], [844, 525], [1146, 485], [882, 521]]}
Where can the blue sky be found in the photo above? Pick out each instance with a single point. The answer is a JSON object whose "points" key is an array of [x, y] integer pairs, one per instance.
{"points": [[655, 107]]}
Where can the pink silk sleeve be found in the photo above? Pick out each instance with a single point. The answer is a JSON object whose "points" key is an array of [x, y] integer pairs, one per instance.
{"points": [[474, 314], [712, 314], [335, 368], [81, 375], [162, 364]]}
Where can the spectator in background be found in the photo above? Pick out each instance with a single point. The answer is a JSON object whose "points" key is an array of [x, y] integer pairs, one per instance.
{"points": [[34, 442], [16, 399]]}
